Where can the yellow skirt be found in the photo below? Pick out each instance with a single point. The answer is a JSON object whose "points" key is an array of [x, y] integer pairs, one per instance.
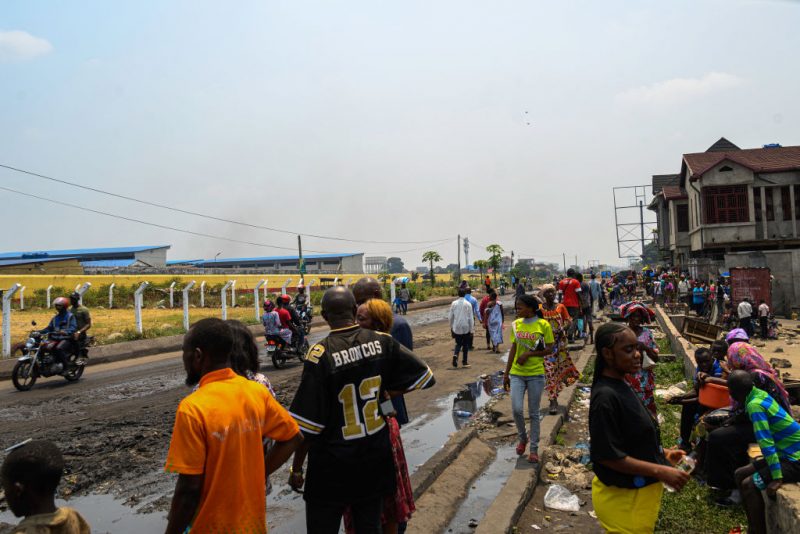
{"points": [[627, 511]]}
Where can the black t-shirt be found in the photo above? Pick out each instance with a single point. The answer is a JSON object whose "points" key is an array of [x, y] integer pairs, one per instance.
{"points": [[337, 408], [620, 426]]}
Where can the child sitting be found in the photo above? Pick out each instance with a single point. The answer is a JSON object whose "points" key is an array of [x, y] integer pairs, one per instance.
{"points": [[691, 409], [30, 475]]}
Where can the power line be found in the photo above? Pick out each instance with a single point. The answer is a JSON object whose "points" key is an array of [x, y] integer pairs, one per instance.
{"points": [[183, 230], [203, 215]]}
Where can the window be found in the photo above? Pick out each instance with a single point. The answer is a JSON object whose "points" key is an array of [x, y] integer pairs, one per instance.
{"points": [[786, 203], [757, 202], [770, 204], [682, 216], [726, 169], [725, 204]]}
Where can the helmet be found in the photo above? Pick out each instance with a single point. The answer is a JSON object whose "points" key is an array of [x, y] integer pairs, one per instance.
{"points": [[737, 334], [268, 304], [300, 286], [286, 299], [75, 296], [61, 301]]}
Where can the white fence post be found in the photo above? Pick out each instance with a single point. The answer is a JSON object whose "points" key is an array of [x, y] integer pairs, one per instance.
{"points": [[224, 296], [83, 289], [138, 301], [233, 294], [308, 291], [111, 295], [22, 298], [266, 288], [186, 290], [336, 281], [203, 294], [349, 281], [7, 295], [392, 294], [172, 295], [49, 289], [286, 283], [256, 292]]}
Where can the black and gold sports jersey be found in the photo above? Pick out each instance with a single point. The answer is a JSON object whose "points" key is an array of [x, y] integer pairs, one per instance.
{"points": [[337, 408]]}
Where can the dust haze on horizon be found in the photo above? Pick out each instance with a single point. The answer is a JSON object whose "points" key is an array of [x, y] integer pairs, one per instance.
{"points": [[413, 121]]}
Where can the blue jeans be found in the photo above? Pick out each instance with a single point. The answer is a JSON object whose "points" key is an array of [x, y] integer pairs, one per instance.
{"points": [[535, 386]]}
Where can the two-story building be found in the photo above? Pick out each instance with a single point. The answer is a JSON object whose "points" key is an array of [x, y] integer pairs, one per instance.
{"points": [[733, 207]]}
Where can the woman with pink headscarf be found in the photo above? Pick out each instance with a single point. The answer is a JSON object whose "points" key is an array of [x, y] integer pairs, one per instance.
{"points": [[642, 382]]}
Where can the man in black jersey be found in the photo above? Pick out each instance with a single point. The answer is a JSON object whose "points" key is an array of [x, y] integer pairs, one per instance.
{"points": [[337, 406]]}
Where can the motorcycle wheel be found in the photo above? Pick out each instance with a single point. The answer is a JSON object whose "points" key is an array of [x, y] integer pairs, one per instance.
{"points": [[74, 374], [24, 376], [277, 361]]}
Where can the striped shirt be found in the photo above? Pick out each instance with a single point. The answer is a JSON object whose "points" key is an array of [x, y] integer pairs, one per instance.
{"points": [[777, 433]]}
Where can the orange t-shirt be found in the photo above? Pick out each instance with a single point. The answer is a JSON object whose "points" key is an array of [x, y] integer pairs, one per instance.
{"points": [[218, 433], [557, 317]]}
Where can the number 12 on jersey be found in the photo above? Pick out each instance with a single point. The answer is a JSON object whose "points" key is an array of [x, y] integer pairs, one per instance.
{"points": [[368, 390]]}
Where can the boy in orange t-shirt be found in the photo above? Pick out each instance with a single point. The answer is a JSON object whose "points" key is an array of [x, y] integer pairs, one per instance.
{"points": [[217, 442]]}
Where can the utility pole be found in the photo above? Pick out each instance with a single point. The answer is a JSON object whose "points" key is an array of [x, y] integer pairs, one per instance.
{"points": [[576, 262], [641, 226], [458, 248], [301, 265], [564, 257]]}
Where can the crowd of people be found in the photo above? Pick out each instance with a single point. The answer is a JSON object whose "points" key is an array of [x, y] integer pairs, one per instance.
{"points": [[631, 466], [342, 430]]}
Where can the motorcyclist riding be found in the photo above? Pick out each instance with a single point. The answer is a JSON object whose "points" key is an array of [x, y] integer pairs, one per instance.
{"points": [[300, 301], [298, 332], [83, 319], [287, 318], [272, 324], [62, 328]]}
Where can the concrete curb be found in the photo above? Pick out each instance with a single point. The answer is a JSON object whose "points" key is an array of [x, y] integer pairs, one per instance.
{"points": [[428, 472], [506, 509], [681, 347], [127, 350]]}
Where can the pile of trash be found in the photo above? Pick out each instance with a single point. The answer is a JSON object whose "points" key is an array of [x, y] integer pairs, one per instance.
{"points": [[675, 390], [568, 466]]}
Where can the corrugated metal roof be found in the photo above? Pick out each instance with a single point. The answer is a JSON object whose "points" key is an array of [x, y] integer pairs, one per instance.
{"points": [[263, 259], [82, 252], [109, 263], [28, 261]]}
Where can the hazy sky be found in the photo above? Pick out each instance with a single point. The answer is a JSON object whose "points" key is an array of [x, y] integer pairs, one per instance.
{"points": [[508, 121]]}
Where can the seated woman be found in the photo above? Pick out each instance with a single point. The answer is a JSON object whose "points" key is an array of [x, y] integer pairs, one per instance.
{"points": [[727, 445], [691, 409]]}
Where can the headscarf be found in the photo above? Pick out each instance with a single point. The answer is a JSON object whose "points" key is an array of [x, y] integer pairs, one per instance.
{"points": [[268, 305], [626, 310], [737, 334], [744, 356], [547, 287]]}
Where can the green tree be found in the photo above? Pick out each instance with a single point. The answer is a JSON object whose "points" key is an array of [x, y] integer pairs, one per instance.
{"points": [[495, 259], [395, 265], [481, 265], [432, 257]]}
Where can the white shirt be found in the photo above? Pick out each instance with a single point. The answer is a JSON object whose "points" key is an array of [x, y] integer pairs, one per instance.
{"points": [[462, 320], [745, 310], [763, 310], [683, 287]]}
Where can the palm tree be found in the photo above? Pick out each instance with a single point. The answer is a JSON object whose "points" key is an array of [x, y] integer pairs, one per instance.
{"points": [[432, 257], [495, 259]]}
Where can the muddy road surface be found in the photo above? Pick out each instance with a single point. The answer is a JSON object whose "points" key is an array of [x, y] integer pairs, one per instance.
{"points": [[114, 425]]}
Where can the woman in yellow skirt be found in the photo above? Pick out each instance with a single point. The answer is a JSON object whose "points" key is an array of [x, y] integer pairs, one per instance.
{"points": [[629, 463]]}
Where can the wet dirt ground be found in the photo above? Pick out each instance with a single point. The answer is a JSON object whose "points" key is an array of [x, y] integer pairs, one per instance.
{"points": [[114, 426]]}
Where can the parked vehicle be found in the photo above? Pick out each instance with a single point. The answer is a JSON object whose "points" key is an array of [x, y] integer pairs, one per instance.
{"points": [[38, 359], [279, 352]]}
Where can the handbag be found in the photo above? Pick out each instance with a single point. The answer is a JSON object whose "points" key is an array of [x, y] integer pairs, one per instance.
{"points": [[647, 362]]}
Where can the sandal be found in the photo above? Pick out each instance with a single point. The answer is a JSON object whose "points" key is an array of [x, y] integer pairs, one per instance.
{"points": [[533, 458], [521, 447]]}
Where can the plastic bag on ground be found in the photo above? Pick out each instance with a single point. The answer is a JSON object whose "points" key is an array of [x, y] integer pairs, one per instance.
{"points": [[559, 498]]}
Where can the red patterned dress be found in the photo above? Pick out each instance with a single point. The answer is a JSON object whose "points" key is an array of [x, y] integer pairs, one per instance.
{"points": [[559, 369]]}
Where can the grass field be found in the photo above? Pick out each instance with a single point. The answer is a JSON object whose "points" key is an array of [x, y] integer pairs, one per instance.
{"points": [[106, 322]]}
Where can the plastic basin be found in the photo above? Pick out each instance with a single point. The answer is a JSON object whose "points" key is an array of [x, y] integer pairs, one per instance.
{"points": [[714, 396]]}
